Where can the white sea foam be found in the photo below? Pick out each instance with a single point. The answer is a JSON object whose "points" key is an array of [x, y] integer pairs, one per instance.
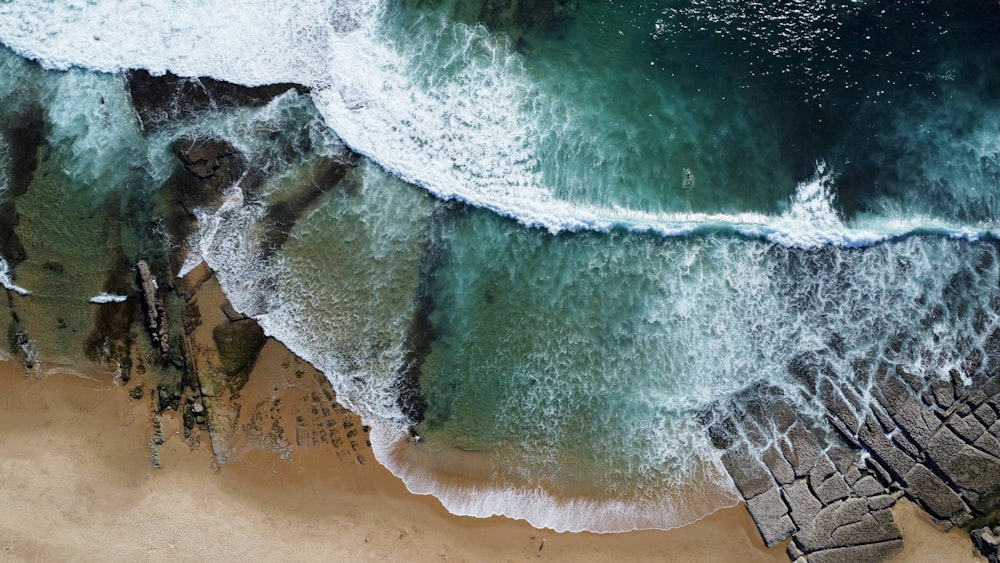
{"points": [[7, 282], [464, 130], [543, 509], [470, 136], [106, 297]]}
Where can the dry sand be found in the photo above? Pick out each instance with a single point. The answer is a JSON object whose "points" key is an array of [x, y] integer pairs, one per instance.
{"points": [[76, 483]]}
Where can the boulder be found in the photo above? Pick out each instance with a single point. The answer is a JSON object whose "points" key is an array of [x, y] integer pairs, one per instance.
{"points": [[987, 541]]}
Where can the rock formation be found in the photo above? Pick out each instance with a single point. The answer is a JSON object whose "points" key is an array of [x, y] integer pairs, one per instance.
{"points": [[935, 441], [156, 315]]}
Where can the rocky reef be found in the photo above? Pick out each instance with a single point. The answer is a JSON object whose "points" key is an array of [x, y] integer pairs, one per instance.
{"points": [[935, 441]]}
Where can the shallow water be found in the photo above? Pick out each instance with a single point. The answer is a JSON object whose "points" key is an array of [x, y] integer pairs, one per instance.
{"points": [[661, 208]]}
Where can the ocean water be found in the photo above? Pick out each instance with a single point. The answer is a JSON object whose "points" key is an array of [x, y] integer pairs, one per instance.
{"points": [[581, 230]]}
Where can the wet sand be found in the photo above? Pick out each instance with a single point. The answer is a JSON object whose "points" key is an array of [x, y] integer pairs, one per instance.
{"points": [[300, 483], [76, 483]]}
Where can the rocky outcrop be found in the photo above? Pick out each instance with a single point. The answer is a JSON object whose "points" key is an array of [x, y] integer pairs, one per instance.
{"points": [[156, 315], [204, 157], [934, 440], [987, 541], [159, 100], [808, 487], [238, 343]]}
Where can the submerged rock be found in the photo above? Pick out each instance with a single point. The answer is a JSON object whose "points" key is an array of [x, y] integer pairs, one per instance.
{"points": [[25, 135], [156, 315], [203, 157], [159, 100]]}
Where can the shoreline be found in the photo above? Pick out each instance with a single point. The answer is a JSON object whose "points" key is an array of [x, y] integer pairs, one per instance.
{"points": [[75, 460]]}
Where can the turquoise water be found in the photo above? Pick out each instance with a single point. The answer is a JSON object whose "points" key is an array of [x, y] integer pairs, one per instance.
{"points": [[585, 230]]}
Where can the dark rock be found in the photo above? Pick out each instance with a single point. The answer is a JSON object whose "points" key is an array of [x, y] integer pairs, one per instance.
{"points": [[988, 543], [750, 476], [161, 99], [514, 18], [238, 344], [136, 392], [25, 136], [232, 314], [54, 267], [156, 315], [282, 214], [203, 157]]}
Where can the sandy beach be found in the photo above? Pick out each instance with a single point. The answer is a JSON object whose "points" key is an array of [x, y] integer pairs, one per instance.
{"points": [[76, 483], [300, 482]]}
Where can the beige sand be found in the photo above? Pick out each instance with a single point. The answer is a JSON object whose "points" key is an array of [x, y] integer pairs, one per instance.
{"points": [[76, 483]]}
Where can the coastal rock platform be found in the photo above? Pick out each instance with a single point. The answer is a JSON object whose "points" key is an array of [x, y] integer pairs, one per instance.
{"points": [[934, 441]]}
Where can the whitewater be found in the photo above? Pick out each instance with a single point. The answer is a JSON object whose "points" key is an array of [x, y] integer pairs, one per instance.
{"points": [[664, 256], [468, 130]]}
